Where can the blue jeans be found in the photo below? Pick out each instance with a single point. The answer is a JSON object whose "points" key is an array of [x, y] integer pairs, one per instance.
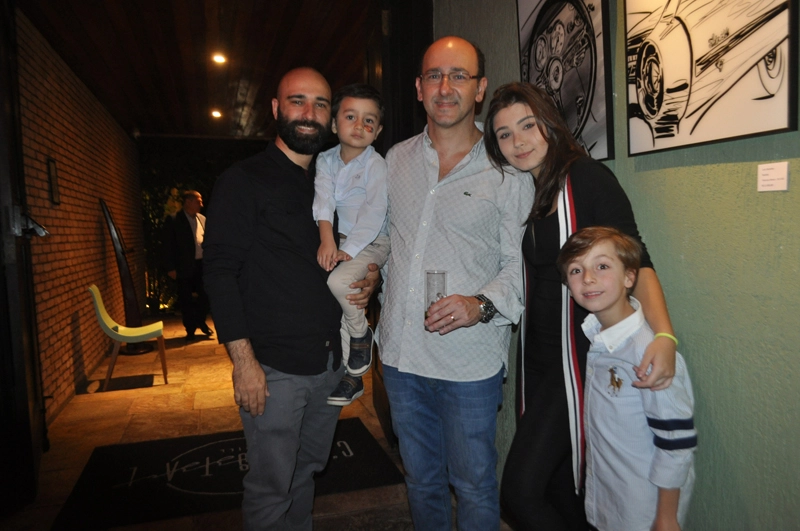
{"points": [[447, 436]]}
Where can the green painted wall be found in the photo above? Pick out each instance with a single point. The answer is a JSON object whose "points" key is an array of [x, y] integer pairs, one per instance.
{"points": [[729, 260]]}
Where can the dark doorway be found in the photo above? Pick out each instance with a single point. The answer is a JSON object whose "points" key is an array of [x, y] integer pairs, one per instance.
{"points": [[407, 32], [21, 402]]}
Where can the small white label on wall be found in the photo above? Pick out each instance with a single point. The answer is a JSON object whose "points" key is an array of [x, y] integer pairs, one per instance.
{"points": [[773, 177]]}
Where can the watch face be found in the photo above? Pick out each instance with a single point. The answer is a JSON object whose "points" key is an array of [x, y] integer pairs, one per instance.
{"points": [[487, 308]]}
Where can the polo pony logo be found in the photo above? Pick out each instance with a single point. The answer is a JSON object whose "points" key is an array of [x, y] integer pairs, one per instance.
{"points": [[615, 384]]}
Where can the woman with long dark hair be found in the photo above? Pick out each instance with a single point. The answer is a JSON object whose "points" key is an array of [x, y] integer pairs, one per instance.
{"points": [[542, 481]]}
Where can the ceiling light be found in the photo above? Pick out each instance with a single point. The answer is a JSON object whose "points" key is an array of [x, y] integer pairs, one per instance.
{"points": [[219, 58], [216, 114]]}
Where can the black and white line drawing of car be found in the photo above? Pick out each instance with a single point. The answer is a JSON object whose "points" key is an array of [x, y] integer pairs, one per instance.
{"points": [[684, 55]]}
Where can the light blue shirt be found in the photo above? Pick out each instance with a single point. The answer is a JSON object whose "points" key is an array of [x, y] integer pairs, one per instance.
{"points": [[637, 440], [357, 191]]}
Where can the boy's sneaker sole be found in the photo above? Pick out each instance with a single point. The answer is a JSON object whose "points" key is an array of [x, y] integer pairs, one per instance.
{"points": [[348, 390], [343, 400]]}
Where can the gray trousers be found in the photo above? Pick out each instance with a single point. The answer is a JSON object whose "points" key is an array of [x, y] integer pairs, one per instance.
{"points": [[285, 447]]}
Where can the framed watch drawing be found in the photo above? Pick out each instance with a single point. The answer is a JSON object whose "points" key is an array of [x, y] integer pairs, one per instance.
{"points": [[564, 49]]}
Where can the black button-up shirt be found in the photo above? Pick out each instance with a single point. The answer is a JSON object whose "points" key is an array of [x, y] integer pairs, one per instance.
{"points": [[261, 270]]}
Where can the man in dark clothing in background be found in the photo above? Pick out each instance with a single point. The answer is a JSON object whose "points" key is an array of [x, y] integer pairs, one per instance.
{"points": [[273, 309], [183, 259]]}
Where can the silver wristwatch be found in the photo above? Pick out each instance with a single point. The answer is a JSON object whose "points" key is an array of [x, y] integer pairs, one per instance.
{"points": [[487, 308]]}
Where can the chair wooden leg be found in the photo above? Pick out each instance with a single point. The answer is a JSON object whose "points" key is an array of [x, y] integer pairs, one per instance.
{"points": [[162, 354], [117, 344]]}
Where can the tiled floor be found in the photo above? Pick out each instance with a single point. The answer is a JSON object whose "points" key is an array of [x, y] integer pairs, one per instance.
{"points": [[197, 400]]}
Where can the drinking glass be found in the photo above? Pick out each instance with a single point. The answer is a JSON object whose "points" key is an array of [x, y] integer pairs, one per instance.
{"points": [[435, 287]]}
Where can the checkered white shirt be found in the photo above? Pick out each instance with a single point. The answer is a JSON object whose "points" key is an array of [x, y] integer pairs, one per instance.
{"points": [[469, 224]]}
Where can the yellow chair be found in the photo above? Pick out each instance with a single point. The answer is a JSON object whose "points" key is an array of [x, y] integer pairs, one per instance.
{"points": [[122, 334]]}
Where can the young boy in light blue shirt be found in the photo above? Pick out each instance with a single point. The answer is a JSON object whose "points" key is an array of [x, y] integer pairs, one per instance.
{"points": [[639, 443], [351, 180]]}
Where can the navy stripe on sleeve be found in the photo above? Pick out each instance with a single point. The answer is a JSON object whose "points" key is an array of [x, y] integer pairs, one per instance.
{"points": [[671, 424], [675, 444]]}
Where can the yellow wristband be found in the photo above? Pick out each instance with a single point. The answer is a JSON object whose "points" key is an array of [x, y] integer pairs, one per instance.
{"points": [[664, 334]]}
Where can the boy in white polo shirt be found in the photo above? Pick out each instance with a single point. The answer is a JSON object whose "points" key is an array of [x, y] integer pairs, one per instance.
{"points": [[639, 443], [351, 180]]}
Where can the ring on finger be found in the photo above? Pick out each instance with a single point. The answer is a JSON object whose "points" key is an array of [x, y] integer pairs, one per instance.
{"points": [[452, 317]]}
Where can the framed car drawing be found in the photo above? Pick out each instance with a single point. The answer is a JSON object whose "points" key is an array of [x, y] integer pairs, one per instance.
{"points": [[701, 71], [564, 49]]}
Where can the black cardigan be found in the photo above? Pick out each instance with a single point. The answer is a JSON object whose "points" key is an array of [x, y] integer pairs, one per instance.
{"points": [[600, 200]]}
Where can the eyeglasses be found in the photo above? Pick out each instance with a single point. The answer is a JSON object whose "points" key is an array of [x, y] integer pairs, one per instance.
{"points": [[454, 78]]}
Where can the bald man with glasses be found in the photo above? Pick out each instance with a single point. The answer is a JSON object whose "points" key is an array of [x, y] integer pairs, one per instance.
{"points": [[450, 210]]}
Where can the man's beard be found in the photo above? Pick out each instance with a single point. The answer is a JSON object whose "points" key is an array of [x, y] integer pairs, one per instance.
{"points": [[303, 144]]}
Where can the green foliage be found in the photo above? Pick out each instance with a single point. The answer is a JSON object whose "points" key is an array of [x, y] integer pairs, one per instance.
{"points": [[157, 203]]}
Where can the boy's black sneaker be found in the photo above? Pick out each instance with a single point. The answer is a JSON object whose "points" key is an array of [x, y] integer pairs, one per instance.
{"points": [[348, 390], [360, 358]]}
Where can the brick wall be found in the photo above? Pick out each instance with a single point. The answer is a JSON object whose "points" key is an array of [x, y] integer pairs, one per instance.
{"points": [[61, 119]]}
